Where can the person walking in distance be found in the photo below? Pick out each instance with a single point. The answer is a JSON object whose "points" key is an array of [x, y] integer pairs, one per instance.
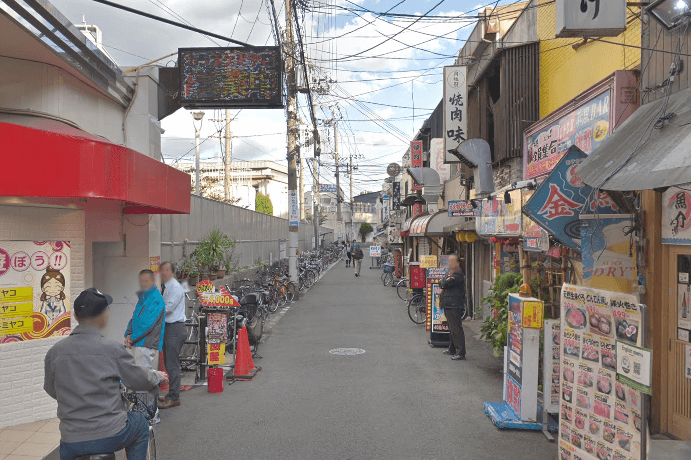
{"points": [[452, 300], [356, 253], [175, 332], [144, 333], [348, 254]]}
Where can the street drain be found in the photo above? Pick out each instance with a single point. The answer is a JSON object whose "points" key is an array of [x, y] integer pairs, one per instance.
{"points": [[347, 351]]}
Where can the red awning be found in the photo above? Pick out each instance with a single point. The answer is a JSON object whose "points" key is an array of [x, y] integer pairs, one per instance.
{"points": [[46, 158]]}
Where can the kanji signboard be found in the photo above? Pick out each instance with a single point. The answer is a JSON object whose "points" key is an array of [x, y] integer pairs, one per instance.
{"points": [[455, 109], [35, 296], [416, 159], [590, 18], [676, 215], [586, 126], [557, 203]]}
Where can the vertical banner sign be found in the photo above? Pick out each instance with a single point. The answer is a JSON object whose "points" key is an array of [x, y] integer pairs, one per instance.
{"points": [[437, 155], [396, 196], [416, 159], [683, 298], [455, 109], [676, 216], [591, 18], [551, 368], [35, 296], [294, 209], [601, 416]]}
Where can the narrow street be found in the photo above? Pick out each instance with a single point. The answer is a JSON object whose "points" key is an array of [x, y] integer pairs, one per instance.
{"points": [[401, 399]]}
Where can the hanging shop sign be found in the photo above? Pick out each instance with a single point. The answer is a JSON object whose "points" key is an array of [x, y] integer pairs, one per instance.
{"points": [[428, 261], [35, 290], [592, 18], [600, 416], [455, 109], [396, 196], [437, 155], [676, 216], [462, 209], [416, 160], [240, 77], [535, 238], [585, 127], [551, 369], [496, 217], [398, 263], [417, 275], [557, 203], [609, 258]]}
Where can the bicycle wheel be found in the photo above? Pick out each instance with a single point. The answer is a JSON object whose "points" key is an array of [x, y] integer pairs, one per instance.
{"points": [[290, 291], [281, 301], [402, 291], [151, 451], [383, 275], [388, 279], [417, 309]]}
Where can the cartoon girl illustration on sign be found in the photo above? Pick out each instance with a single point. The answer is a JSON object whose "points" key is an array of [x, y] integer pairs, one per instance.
{"points": [[53, 297]]}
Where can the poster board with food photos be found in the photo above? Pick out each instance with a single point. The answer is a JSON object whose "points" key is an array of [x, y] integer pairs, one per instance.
{"points": [[600, 417]]}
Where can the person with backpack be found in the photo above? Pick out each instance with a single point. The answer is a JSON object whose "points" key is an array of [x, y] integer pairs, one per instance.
{"points": [[452, 300], [357, 255]]}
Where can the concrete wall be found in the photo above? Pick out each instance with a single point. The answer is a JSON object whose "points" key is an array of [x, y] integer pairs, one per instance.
{"points": [[21, 363], [257, 234]]}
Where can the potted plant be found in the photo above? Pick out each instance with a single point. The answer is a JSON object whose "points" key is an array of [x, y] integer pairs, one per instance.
{"points": [[210, 250], [194, 275]]}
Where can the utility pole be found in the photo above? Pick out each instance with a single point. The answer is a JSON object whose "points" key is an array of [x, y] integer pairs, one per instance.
{"points": [[339, 218], [293, 151], [352, 230], [316, 216], [302, 189], [228, 159]]}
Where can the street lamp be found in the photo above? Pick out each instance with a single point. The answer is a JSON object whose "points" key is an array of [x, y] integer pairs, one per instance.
{"points": [[670, 13], [198, 116]]}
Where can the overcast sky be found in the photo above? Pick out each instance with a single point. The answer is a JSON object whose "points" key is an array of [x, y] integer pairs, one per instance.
{"points": [[403, 68]]}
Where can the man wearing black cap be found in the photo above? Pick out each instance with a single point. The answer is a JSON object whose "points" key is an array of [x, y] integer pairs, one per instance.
{"points": [[83, 373]]}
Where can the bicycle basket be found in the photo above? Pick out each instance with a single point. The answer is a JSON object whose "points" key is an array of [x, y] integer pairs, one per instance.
{"points": [[388, 268]]}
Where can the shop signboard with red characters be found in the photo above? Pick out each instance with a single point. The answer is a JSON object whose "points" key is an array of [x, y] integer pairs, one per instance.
{"points": [[35, 290], [416, 159]]}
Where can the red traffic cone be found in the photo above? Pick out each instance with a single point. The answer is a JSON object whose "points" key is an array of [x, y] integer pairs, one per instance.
{"points": [[244, 365], [163, 386]]}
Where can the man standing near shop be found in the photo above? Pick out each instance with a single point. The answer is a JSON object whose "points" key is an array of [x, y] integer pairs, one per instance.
{"points": [[453, 302], [175, 332], [357, 255], [144, 334]]}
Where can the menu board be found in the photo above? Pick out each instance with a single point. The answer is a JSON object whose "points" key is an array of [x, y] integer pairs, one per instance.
{"points": [[551, 367], [600, 416]]}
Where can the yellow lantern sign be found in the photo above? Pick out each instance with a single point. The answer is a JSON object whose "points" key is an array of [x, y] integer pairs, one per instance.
{"points": [[460, 237], [470, 237]]}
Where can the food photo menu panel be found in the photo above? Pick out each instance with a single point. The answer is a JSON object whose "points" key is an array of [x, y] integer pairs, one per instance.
{"points": [[600, 418]]}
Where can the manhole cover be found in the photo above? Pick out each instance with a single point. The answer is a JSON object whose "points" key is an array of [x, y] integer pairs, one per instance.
{"points": [[347, 351]]}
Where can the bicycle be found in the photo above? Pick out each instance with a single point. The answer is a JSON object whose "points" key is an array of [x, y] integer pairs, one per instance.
{"points": [[402, 290], [189, 355], [417, 309], [137, 405]]}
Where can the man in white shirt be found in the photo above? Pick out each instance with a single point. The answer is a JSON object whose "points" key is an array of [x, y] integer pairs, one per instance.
{"points": [[175, 332]]}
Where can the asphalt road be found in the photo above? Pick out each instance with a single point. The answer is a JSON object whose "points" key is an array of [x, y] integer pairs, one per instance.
{"points": [[401, 399]]}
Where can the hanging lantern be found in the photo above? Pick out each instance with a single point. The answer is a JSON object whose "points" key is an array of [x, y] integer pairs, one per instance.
{"points": [[460, 237], [494, 239], [470, 237]]}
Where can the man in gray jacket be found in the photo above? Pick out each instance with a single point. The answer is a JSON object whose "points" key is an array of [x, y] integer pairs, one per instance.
{"points": [[83, 373]]}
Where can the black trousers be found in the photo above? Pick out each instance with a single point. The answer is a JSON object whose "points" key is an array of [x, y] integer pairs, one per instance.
{"points": [[456, 334], [173, 339]]}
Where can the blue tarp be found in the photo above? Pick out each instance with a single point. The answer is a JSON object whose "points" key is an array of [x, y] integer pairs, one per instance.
{"points": [[504, 417]]}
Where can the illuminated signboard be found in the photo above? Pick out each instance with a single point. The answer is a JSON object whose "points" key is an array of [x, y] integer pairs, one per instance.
{"points": [[231, 77]]}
